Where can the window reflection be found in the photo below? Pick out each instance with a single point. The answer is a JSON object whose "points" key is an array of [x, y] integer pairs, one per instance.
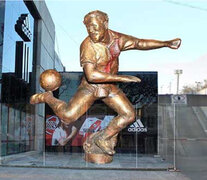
{"points": [[17, 118]]}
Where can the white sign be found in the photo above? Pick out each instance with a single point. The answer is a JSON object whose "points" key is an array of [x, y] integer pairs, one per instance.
{"points": [[179, 99]]}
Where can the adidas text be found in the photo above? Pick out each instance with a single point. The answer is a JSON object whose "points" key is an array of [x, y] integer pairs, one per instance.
{"points": [[137, 126], [137, 129]]}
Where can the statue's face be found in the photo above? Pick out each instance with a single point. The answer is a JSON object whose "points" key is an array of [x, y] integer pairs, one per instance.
{"points": [[96, 29]]}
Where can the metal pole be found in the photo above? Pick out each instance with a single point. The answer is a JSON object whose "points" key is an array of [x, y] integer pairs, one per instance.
{"points": [[170, 87], [197, 86], [174, 136], [178, 72], [177, 83]]}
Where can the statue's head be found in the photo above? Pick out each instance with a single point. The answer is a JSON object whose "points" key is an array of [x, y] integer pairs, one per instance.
{"points": [[97, 25], [101, 16]]}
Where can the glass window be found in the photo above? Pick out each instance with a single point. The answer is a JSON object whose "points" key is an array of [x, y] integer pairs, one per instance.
{"points": [[139, 137], [16, 122]]}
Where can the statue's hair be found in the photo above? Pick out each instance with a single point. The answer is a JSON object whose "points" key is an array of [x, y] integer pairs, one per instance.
{"points": [[97, 14]]}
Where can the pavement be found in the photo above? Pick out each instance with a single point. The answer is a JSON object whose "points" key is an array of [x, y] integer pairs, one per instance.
{"points": [[76, 161], [67, 166], [19, 173]]}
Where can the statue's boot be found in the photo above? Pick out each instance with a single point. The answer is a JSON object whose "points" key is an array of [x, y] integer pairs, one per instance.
{"points": [[105, 144], [40, 97]]}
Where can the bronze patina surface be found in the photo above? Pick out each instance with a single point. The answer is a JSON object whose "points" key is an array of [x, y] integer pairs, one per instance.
{"points": [[50, 80], [93, 153], [99, 57]]}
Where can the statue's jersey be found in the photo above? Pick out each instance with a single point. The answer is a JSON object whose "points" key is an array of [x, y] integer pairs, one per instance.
{"points": [[105, 59]]}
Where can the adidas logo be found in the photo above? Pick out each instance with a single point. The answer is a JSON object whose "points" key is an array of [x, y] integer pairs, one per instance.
{"points": [[137, 126]]}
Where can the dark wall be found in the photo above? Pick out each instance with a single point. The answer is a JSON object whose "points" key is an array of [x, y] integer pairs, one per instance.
{"points": [[140, 136]]}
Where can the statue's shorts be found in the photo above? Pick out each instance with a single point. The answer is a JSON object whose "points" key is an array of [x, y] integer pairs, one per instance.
{"points": [[99, 90]]}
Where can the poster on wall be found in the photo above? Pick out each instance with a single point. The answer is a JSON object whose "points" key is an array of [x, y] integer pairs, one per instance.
{"points": [[140, 136], [51, 125], [56, 131]]}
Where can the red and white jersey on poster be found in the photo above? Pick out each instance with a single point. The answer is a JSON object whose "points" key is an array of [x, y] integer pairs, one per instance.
{"points": [[51, 124], [91, 125]]}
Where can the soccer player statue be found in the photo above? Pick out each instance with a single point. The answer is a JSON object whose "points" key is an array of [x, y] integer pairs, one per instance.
{"points": [[99, 57]]}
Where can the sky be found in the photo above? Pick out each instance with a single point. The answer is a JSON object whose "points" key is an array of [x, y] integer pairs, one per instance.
{"points": [[155, 19]]}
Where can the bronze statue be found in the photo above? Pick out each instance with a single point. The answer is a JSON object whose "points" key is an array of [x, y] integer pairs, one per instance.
{"points": [[99, 57]]}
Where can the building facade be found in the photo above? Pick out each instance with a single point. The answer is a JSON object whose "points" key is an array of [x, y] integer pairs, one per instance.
{"points": [[27, 48]]}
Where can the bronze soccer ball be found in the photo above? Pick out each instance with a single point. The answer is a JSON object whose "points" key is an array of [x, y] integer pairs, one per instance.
{"points": [[50, 80]]}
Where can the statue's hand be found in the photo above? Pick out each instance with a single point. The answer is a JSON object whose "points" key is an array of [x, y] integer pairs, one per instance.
{"points": [[130, 79], [175, 43]]}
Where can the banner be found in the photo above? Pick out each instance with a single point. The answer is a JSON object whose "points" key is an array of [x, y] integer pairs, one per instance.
{"points": [[55, 133]]}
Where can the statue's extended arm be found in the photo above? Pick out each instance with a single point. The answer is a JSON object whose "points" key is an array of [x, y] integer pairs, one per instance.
{"points": [[130, 42], [95, 76]]}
